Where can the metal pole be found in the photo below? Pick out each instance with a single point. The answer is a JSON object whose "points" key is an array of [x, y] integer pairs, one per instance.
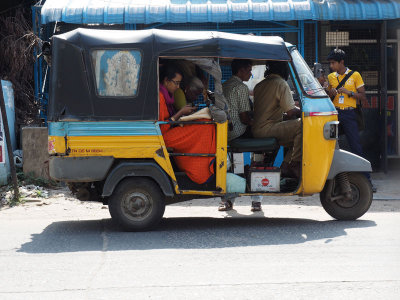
{"points": [[8, 142], [383, 84], [300, 36], [36, 63], [316, 41]]}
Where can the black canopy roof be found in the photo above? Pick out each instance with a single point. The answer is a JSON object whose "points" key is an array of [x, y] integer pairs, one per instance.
{"points": [[184, 43], [73, 93]]}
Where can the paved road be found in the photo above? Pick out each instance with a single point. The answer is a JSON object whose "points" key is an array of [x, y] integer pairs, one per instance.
{"points": [[292, 250]]}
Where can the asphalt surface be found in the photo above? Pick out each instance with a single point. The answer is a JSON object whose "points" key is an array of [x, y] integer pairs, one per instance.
{"points": [[62, 248]]}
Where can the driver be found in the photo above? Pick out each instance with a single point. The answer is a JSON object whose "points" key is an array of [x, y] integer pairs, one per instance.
{"points": [[273, 100]]}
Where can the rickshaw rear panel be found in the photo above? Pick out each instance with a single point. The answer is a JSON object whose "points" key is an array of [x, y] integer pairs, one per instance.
{"points": [[123, 141]]}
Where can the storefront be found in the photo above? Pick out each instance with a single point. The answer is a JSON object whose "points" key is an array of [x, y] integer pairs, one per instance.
{"points": [[368, 31]]}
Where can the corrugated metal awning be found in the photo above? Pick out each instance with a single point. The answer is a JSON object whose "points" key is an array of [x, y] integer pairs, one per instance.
{"points": [[221, 11]]}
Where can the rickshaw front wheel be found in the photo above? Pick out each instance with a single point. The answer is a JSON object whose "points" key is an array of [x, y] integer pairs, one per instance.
{"points": [[341, 207], [137, 204]]}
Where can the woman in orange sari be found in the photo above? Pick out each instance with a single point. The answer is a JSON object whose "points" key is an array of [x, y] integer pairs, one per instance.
{"points": [[191, 138]]}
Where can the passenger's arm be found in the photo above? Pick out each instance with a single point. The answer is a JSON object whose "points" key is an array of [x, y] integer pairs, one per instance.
{"points": [[287, 103], [243, 105], [186, 110], [294, 113], [245, 118]]}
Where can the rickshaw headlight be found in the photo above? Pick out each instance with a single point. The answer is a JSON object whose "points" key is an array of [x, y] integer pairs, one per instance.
{"points": [[331, 130]]}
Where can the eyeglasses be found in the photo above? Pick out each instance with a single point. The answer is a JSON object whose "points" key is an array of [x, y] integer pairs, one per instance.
{"points": [[177, 83]]}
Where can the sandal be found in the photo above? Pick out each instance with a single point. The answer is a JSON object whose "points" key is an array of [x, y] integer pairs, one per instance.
{"points": [[225, 206], [256, 206]]}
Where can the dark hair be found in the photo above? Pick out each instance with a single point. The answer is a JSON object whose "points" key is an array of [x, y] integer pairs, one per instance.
{"points": [[194, 84], [277, 67], [238, 64], [337, 55], [169, 71]]}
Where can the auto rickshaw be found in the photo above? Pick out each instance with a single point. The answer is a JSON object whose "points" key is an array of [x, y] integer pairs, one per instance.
{"points": [[104, 130]]}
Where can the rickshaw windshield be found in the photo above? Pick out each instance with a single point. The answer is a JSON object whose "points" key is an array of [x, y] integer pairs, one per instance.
{"points": [[310, 84]]}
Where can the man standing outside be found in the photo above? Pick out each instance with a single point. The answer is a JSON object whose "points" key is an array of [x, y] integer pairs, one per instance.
{"points": [[272, 102], [237, 96], [346, 98]]}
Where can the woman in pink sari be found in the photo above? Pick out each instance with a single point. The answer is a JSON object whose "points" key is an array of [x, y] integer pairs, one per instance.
{"points": [[191, 138]]}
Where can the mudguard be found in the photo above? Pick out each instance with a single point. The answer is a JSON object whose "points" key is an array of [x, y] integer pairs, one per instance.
{"points": [[344, 161], [141, 169]]}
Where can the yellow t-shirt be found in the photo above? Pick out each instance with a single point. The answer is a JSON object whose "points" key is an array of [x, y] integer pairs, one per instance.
{"points": [[352, 84]]}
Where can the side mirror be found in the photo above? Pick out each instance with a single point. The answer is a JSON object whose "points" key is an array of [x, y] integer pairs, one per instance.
{"points": [[46, 53], [318, 71]]}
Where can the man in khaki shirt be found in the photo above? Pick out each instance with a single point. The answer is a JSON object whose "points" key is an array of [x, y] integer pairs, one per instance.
{"points": [[273, 100]]}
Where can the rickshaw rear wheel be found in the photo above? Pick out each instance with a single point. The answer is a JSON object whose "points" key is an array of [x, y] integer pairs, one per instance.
{"points": [[341, 208], [137, 204]]}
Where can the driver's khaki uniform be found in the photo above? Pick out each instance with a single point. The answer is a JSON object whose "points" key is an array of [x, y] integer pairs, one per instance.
{"points": [[272, 97]]}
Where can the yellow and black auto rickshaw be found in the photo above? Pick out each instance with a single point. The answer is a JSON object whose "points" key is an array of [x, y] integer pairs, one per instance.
{"points": [[104, 130]]}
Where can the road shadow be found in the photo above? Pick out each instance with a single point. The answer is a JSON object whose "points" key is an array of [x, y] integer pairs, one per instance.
{"points": [[186, 233], [384, 205]]}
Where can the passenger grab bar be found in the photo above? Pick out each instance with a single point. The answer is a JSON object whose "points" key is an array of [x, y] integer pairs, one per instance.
{"points": [[192, 154], [187, 122]]}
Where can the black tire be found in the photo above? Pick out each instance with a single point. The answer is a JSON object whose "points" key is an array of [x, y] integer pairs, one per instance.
{"points": [[137, 204], [348, 210]]}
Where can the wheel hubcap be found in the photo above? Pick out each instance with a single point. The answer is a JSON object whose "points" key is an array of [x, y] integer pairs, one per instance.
{"points": [[137, 205], [355, 197]]}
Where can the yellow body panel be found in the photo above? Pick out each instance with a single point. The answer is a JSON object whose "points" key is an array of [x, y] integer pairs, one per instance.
{"points": [[117, 146], [221, 151], [139, 147], [56, 144], [317, 154]]}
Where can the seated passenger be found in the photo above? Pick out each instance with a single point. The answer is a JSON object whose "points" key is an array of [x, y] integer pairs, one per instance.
{"points": [[273, 99], [191, 138], [189, 70], [237, 96], [193, 88]]}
